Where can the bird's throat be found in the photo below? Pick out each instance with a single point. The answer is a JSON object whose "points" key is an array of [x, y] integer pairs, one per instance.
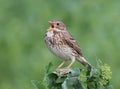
{"points": [[50, 29]]}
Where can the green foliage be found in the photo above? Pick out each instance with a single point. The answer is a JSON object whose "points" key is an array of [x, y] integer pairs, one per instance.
{"points": [[99, 78], [37, 84], [68, 81], [105, 75]]}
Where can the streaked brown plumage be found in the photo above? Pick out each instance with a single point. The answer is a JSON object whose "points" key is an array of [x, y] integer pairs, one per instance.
{"points": [[62, 44]]}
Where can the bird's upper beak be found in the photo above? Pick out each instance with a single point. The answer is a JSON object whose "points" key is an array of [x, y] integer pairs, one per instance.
{"points": [[51, 26]]}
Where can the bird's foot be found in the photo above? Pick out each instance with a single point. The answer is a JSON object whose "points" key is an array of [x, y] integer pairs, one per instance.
{"points": [[57, 70], [64, 71]]}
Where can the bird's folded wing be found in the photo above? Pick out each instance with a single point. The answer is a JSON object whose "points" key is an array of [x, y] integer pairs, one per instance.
{"points": [[71, 42]]}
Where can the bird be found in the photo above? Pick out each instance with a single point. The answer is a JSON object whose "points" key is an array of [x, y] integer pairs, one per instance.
{"points": [[61, 43]]}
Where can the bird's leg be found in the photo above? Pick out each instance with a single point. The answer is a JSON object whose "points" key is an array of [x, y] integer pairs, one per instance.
{"points": [[68, 67], [57, 69]]}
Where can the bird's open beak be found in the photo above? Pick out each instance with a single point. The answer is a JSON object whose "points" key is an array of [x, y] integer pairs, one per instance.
{"points": [[51, 26]]}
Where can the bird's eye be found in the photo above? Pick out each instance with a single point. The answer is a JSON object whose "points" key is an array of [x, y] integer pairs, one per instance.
{"points": [[57, 23]]}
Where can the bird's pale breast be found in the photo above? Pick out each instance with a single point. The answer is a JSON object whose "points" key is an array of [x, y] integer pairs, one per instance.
{"points": [[57, 46]]}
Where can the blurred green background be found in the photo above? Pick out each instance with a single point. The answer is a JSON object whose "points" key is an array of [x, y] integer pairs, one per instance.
{"points": [[95, 24]]}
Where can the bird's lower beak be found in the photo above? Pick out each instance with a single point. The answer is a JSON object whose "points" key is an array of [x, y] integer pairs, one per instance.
{"points": [[51, 26]]}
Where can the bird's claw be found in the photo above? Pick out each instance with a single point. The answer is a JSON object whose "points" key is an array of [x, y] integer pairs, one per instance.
{"points": [[64, 71], [57, 70]]}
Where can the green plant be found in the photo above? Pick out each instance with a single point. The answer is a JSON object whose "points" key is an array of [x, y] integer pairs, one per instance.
{"points": [[98, 78]]}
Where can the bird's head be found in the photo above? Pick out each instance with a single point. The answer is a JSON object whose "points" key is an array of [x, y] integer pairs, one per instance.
{"points": [[56, 25]]}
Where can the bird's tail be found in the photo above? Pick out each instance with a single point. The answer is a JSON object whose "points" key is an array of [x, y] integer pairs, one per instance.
{"points": [[85, 63]]}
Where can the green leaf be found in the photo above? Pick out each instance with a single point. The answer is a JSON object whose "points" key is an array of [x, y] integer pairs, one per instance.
{"points": [[37, 84], [73, 82], [61, 79], [52, 81], [47, 69], [74, 73]]}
